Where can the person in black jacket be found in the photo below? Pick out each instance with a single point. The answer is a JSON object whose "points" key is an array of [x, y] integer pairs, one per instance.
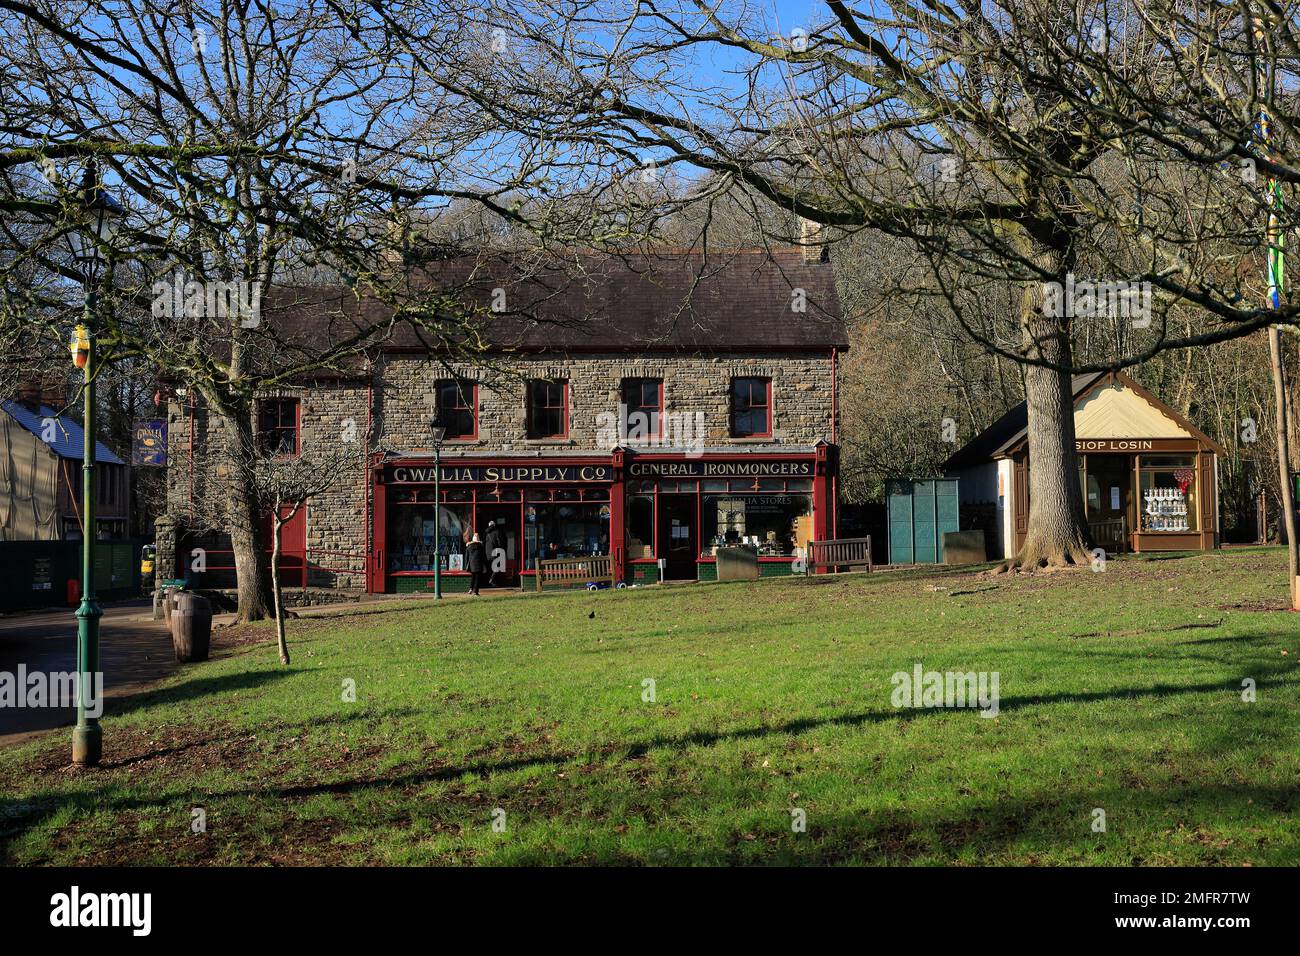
{"points": [[495, 546], [475, 563]]}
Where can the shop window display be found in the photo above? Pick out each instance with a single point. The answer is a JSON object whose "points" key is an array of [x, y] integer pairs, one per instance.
{"points": [[640, 526], [776, 524], [564, 531], [1169, 501], [411, 537]]}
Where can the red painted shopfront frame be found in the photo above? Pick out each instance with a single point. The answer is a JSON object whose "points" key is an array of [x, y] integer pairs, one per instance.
{"points": [[822, 460]]}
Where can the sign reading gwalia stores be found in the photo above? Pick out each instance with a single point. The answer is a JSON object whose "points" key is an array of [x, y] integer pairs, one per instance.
{"points": [[402, 475]]}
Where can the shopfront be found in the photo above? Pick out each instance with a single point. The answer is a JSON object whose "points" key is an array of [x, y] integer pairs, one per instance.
{"points": [[661, 515], [681, 510], [1148, 494], [1149, 477], [556, 508]]}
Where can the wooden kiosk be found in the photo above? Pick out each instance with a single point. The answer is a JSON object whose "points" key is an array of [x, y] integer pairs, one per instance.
{"points": [[1149, 477]]}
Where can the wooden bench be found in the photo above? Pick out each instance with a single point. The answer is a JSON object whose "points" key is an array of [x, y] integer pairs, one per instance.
{"points": [[570, 571], [1111, 534], [838, 553]]}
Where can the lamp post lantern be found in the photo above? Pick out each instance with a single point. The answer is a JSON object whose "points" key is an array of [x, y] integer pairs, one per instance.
{"points": [[438, 433], [101, 216]]}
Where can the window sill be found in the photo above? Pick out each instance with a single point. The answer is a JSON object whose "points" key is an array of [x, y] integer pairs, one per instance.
{"points": [[541, 442]]}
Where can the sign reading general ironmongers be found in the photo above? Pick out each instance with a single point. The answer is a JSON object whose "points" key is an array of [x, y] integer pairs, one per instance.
{"points": [[528, 473], [720, 469]]}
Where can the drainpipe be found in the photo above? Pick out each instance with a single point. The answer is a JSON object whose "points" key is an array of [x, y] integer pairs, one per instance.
{"points": [[189, 400], [366, 477], [835, 415]]}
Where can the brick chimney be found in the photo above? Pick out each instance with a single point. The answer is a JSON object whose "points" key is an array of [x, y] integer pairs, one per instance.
{"points": [[814, 248], [51, 392], [397, 244]]}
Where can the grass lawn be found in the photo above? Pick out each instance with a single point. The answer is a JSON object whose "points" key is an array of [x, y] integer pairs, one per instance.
{"points": [[1120, 690]]}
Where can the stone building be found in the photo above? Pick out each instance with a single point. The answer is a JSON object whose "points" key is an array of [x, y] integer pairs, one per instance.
{"points": [[652, 408]]}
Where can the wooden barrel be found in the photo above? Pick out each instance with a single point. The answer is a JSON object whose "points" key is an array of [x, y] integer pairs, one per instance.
{"points": [[191, 625], [169, 603]]}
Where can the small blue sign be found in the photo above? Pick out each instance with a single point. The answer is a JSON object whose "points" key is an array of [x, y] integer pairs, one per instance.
{"points": [[149, 443]]}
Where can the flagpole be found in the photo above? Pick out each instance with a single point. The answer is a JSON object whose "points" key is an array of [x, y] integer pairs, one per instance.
{"points": [[1273, 238]]}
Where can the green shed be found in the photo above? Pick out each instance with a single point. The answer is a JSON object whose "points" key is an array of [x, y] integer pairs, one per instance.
{"points": [[921, 511]]}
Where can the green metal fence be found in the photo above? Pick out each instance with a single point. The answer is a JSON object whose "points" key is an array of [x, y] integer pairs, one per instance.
{"points": [[36, 573]]}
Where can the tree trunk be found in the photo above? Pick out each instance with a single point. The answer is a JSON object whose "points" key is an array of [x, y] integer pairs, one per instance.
{"points": [[1284, 464], [280, 641], [1057, 534], [246, 530]]}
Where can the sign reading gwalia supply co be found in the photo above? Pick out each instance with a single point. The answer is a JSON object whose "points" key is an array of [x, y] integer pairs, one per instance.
{"points": [[524, 473], [402, 475]]}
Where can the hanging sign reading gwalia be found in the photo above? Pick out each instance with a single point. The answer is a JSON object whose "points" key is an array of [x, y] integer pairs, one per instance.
{"points": [[149, 442]]}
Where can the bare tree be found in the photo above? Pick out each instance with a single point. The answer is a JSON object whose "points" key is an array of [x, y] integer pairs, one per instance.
{"points": [[284, 487], [268, 158], [846, 124]]}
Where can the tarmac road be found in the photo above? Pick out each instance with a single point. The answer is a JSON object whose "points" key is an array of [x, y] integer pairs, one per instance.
{"points": [[133, 649]]}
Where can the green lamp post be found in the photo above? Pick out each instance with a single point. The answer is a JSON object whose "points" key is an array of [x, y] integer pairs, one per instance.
{"points": [[101, 216], [438, 433]]}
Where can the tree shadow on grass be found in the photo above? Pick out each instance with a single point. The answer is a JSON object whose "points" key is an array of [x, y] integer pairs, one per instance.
{"points": [[224, 733], [191, 690], [17, 815], [1030, 829]]}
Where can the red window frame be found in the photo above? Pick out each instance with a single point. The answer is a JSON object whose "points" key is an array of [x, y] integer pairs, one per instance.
{"points": [[754, 387], [272, 427], [465, 391], [635, 388], [551, 402]]}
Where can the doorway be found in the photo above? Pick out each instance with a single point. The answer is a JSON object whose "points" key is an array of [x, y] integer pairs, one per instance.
{"points": [[506, 517], [678, 538], [1109, 500], [293, 544]]}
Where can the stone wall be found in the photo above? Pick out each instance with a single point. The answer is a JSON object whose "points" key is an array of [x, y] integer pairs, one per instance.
{"points": [[333, 420], [801, 386], [333, 413]]}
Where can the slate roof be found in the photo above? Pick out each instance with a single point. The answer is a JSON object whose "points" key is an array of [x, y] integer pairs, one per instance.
{"points": [[737, 300], [69, 439]]}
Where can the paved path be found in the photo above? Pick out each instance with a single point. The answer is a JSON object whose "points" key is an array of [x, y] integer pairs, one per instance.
{"points": [[134, 650]]}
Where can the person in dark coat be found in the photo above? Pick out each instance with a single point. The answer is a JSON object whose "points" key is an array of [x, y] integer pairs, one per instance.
{"points": [[475, 563], [494, 540]]}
